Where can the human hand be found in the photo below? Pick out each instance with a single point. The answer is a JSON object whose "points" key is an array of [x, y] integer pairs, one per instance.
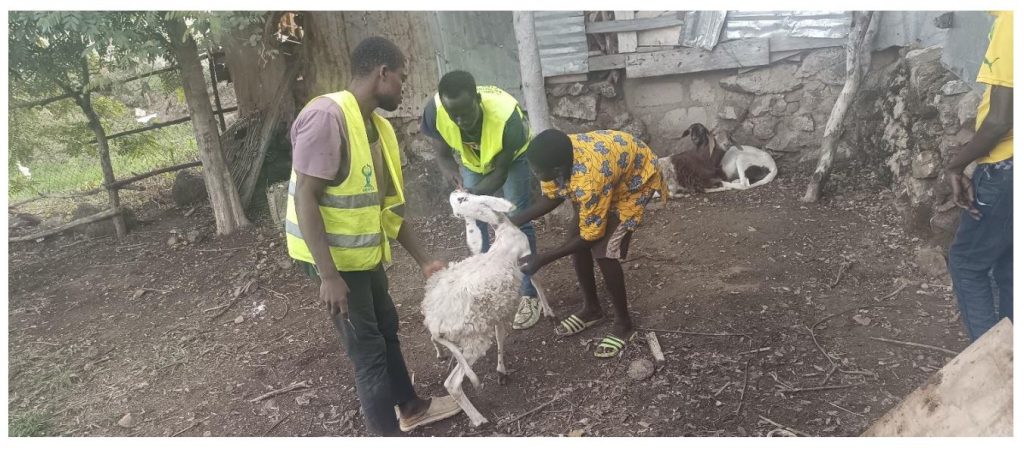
{"points": [[432, 267], [452, 178], [334, 294], [963, 193], [529, 265]]}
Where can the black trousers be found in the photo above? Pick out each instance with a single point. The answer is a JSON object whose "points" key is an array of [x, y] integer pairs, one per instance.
{"points": [[370, 338]]}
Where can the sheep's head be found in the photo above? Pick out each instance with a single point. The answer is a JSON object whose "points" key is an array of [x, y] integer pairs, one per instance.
{"points": [[472, 207]]}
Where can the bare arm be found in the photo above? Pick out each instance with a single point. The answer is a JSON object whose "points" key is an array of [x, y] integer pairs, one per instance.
{"points": [[542, 207], [574, 244], [446, 162], [496, 178], [411, 242], [333, 289], [996, 125]]}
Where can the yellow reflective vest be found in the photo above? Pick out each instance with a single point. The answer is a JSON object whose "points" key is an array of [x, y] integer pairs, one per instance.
{"points": [[358, 226], [498, 105]]}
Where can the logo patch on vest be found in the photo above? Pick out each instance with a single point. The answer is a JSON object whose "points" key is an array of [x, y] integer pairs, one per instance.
{"points": [[367, 174]]}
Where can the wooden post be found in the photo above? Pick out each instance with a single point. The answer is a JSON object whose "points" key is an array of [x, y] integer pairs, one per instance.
{"points": [[161, 125], [216, 93], [858, 60], [534, 96], [60, 229], [652, 342]]}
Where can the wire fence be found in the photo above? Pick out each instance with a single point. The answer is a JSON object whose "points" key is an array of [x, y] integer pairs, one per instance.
{"points": [[55, 185]]}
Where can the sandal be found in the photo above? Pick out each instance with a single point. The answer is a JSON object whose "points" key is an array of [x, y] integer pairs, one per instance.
{"points": [[611, 346], [440, 408], [573, 324]]}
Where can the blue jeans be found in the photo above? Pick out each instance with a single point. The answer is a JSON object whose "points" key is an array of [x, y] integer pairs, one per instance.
{"points": [[982, 252], [517, 190]]}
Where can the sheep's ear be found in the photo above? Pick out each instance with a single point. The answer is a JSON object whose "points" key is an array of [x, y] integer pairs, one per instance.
{"points": [[474, 239], [686, 133], [497, 205]]}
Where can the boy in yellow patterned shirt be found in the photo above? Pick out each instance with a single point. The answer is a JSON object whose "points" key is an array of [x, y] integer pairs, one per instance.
{"points": [[983, 246], [609, 177]]}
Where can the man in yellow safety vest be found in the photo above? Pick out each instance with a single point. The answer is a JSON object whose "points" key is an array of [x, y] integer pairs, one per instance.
{"points": [[486, 129], [345, 204]]}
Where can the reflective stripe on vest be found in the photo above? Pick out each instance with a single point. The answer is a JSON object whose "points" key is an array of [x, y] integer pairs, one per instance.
{"points": [[358, 227], [497, 106], [342, 202]]}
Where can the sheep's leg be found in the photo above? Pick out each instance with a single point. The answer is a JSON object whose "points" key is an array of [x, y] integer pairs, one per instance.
{"points": [[741, 169], [499, 337], [461, 359], [454, 386], [437, 350], [542, 298]]}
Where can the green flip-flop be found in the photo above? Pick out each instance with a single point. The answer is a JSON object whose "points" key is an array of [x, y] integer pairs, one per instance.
{"points": [[611, 345], [573, 324]]}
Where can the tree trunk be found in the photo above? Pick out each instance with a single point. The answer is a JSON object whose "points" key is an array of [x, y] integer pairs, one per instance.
{"points": [[534, 96], [227, 207], [254, 76], [858, 60], [84, 101], [264, 86]]}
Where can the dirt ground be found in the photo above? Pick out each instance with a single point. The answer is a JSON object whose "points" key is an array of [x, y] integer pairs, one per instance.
{"points": [[184, 337]]}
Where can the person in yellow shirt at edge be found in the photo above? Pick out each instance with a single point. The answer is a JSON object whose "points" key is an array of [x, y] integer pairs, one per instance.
{"points": [[982, 249], [487, 130], [345, 204]]}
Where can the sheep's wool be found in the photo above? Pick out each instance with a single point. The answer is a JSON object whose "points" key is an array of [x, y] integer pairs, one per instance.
{"points": [[465, 301]]}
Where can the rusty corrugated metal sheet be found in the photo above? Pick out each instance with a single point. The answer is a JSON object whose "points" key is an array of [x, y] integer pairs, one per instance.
{"points": [[810, 24], [562, 39]]}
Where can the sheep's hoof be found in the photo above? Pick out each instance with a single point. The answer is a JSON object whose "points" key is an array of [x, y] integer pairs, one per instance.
{"points": [[502, 379]]}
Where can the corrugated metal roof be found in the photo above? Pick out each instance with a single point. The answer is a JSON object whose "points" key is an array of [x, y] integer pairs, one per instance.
{"points": [[701, 29], [811, 24], [562, 40]]}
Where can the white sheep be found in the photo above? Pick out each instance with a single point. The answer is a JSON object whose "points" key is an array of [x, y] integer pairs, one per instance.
{"points": [[471, 302]]}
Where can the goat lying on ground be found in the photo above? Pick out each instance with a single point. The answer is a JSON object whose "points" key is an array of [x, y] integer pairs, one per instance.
{"points": [[696, 169], [710, 167], [741, 164], [471, 302]]}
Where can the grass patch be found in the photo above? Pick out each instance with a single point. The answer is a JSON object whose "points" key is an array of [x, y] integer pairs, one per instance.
{"points": [[31, 424], [83, 173]]}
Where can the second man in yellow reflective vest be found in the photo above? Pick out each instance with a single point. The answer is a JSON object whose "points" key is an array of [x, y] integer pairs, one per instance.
{"points": [[486, 130]]}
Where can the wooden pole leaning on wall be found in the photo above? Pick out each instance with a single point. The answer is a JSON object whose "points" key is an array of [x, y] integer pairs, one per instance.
{"points": [[858, 61]]}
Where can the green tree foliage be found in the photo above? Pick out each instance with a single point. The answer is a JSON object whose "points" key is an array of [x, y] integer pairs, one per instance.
{"points": [[85, 53]]}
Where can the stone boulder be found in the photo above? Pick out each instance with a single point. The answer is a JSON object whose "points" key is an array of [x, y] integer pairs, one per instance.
{"points": [[583, 107], [932, 261], [188, 189]]}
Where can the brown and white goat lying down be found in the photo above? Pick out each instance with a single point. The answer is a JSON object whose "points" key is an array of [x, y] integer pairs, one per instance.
{"points": [[708, 166]]}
